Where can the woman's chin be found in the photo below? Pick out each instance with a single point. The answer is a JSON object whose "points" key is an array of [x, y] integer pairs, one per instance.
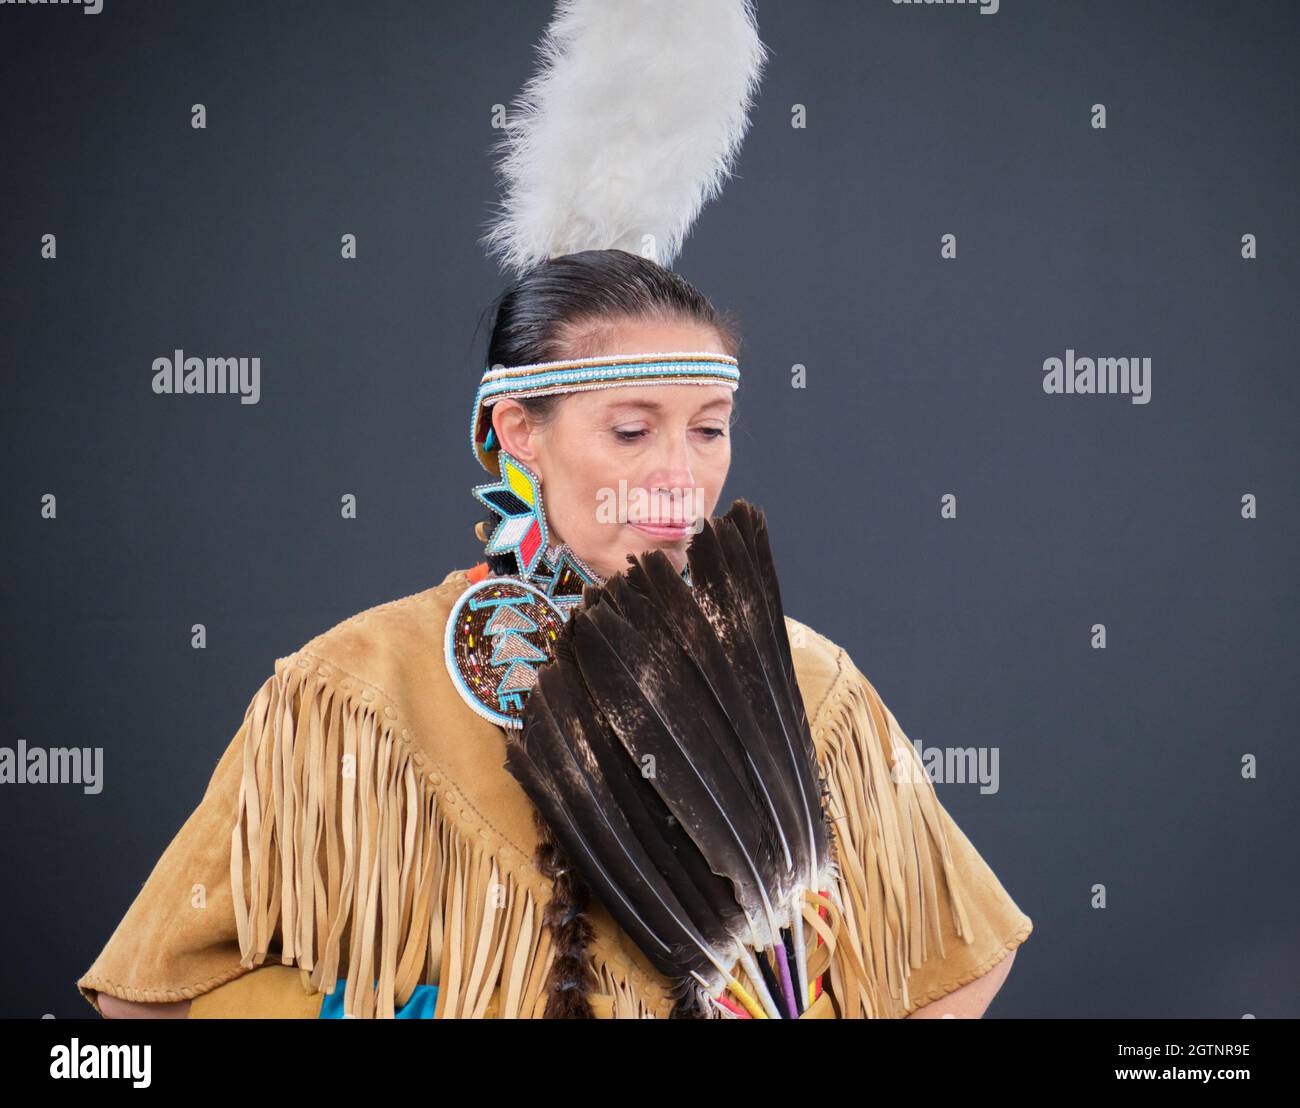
{"points": [[638, 542]]}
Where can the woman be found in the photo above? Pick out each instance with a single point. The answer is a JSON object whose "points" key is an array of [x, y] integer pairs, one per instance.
{"points": [[361, 825]]}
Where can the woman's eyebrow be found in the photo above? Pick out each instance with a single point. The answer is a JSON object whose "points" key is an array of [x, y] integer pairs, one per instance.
{"points": [[655, 406]]}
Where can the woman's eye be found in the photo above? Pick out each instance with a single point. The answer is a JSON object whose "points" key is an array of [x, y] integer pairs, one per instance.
{"points": [[632, 436]]}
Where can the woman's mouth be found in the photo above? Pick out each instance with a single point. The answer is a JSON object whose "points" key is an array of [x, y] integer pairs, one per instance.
{"points": [[665, 532]]}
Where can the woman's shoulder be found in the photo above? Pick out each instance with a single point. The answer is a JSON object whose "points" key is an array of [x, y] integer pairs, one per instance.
{"points": [[820, 665], [386, 642]]}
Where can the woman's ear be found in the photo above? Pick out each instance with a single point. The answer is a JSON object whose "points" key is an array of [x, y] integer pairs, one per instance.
{"points": [[515, 433]]}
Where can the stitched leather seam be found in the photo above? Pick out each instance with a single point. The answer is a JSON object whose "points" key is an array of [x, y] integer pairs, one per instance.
{"points": [[836, 681]]}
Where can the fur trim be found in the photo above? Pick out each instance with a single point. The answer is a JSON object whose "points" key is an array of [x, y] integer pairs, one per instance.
{"points": [[628, 128]]}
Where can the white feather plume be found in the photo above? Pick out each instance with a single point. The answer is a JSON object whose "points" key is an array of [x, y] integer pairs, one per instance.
{"points": [[629, 126]]}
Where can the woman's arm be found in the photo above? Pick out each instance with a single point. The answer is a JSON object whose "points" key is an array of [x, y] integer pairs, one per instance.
{"points": [[268, 992], [114, 1008], [970, 1001]]}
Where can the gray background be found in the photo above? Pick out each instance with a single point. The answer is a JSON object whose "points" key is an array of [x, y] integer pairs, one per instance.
{"points": [[1118, 767]]}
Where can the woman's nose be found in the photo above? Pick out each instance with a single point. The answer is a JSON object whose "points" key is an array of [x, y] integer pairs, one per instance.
{"points": [[673, 467]]}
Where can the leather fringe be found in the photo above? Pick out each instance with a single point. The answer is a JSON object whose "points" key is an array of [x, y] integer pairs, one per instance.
{"points": [[346, 852], [364, 872], [888, 835]]}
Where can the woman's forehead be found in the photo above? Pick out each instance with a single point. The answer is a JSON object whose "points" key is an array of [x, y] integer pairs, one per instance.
{"points": [[659, 398]]}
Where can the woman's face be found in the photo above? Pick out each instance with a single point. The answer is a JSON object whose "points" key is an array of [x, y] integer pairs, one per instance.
{"points": [[634, 468]]}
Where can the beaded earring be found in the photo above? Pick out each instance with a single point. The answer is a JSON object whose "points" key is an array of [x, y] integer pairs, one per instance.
{"points": [[517, 499]]}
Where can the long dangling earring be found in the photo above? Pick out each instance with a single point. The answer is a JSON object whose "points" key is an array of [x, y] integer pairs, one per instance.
{"points": [[524, 533], [517, 499]]}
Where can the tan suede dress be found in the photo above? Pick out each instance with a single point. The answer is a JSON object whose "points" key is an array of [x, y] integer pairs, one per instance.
{"points": [[361, 826]]}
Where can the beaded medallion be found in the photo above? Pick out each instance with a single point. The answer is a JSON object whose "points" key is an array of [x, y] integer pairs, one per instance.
{"points": [[498, 634]]}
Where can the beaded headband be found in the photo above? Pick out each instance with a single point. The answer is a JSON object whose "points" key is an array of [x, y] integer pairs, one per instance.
{"points": [[583, 374]]}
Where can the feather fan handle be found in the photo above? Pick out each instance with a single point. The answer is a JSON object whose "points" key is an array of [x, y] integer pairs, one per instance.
{"points": [[631, 124]]}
